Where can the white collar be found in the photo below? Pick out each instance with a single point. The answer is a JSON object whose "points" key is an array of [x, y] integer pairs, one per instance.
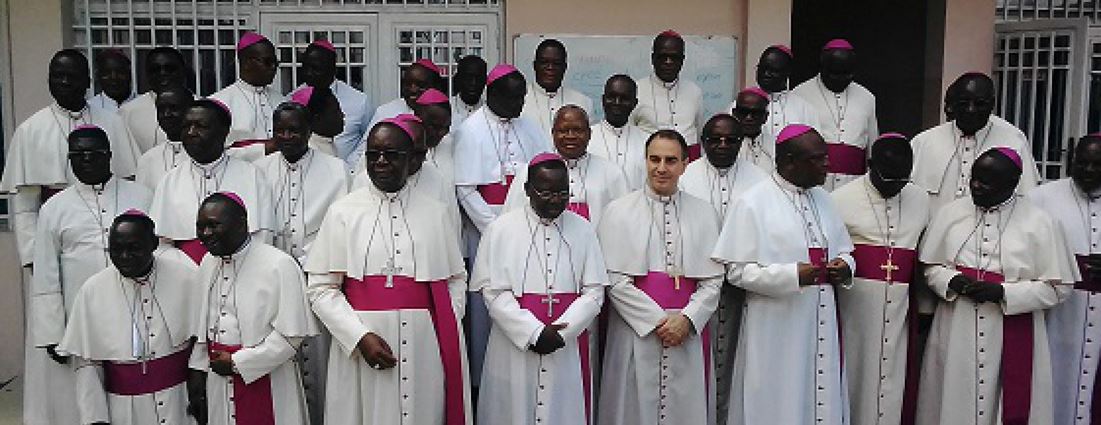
{"points": [[667, 86], [210, 166], [985, 129], [95, 188], [532, 216], [649, 191], [251, 88], [788, 186], [998, 208], [240, 252], [574, 163]]}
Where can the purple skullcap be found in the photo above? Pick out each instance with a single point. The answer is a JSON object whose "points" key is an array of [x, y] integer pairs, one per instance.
{"points": [[409, 118], [432, 97], [402, 124], [1011, 154], [670, 33], [135, 213], [324, 44], [429, 65], [220, 104], [302, 96], [891, 135], [235, 198], [249, 38], [756, 91], [1096, 134], [87, 127], [838, 44], [783, 48], [792, 131], [544, 157], [499, 71]]}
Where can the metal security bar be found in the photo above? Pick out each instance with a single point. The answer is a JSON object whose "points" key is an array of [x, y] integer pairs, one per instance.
{"points": [[444, 45], [1025, 10], [351, 43]]}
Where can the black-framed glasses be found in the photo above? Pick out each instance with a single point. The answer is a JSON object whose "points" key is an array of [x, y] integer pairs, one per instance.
{"points": [[891, 179], [552, 194], [749, 112], [715, 140], [95, 153], [391, 155]]}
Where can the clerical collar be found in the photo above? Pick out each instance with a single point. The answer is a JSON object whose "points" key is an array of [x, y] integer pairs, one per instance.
{"points": [[388, 196], [996, 208], [667, 85], [496, 118], [786, 185], [95, 188], [573, 163], [73, 115], [618, 131], [532, 216], [548, 93], [985, 129], [665, 199], [210, 166], [250, 87], [294, 165], [240, 252]]}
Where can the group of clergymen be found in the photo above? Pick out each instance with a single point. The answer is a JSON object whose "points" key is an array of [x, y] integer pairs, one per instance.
{"points": [[192, 258]]}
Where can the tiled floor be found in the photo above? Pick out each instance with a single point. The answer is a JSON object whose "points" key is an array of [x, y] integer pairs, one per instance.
{"points": [[11, 403]]}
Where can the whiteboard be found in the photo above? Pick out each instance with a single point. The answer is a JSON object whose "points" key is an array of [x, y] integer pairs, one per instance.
{"points": [[711, 61]]}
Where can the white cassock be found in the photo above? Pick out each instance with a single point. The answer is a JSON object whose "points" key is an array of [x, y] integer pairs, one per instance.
{"points": [[443, 157], [720, 188], [156, 162], [656, 249], [625, 147], [559, 280], [460, 110], [489, 152], [37, 162], [670, 106], [540, 105], [251, 110], [1019, 246], [1074, 327], [788, 368], [943, 158], [847, 122], [594, 183], [322, 144], [253, 305], [388, 263], [70, 246], [428, 182], [784, 108], [107, 103], [358, 109], [132, 341], [179, 194], [140, 117], [388, 110], [876, 320], [301, 194]]}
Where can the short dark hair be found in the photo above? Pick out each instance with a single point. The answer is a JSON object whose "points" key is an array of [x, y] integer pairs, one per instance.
{"points": [[89, 132], [670, 135], [140, 219], [222, 198], [713, 121], [291, 106], [208, 104], [548, 43], [74, 54]]}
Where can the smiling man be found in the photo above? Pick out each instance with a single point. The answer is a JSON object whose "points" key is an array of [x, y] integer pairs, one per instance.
{"points": [[997, 263], [546, 94], [416, 78], [665, 100], [171, 105], [164, 69], [665, 287], [251, 99], [615, 138], [112, 73], [784, 107], [845, 112], [786, 246]]}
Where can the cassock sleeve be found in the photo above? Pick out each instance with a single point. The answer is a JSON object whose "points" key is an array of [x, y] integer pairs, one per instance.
{"points": [[771, 280], [456, 286], [937, 277], [1031, 295], [332, 308], [253, 363], [91, 398], [47, 302], [475, 206], [518, 324], [634, 306], [703, 302], [25, 204]]}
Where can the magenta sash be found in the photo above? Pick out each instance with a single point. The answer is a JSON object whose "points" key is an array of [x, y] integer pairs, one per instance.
{"points": [[871, 259], [662, 288], [1017, 349], [193, 248], [495, 194], [1087, 284], [371, 294], [817, 258], [846, 159], [252, 403], [694, 152], [244, 143], [140, 378], [537, 305], [580, 208]]}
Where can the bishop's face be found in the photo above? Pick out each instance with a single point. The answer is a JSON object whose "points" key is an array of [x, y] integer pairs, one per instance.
{"points": [[1086, 168], [68, 82], [258, 63], [291, 132], [90, 159], [113, 75], [974, 102], [773, 71], [221, 228], [505, 96], [721, 143], [751, 111], [318, 67], [571, 134], [550, 68], [387, 157], [203, 136], [415, 81], [131, 245], [165, 71], [437, 123], [619, 100], [665, 162], [805, 162], [171, 105], [548, 190], [668, 59], [470, 78], [838, 69], [993, 180]]}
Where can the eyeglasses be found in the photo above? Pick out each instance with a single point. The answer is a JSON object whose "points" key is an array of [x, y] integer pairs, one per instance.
{"points": [[890, 179], [549, 194], [390, 155], [715, 140], [89, 154], [747, 112]]}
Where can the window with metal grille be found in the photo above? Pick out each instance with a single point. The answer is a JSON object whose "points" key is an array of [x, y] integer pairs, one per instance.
{"points": [[1023, 10]]}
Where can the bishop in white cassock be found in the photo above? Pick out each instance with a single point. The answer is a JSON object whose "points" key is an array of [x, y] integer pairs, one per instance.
{"points": [[70, 246], [615, 138], [542, 305], [665, 100], [783, 107], [844, 112], [156, 162], [546, 94], [996, 262], [470, 84], [210, 170], [415, 79], [253, 316], [885, 216], [36, 167], [131, 330], [720, 179], [112, 73], [594, 182], [434, 111], [944, 155], [657, 356], [164, 69], [251, 99], [491, 147], [326, 118], [786, 245], [387, 279], [319, 70], [1074, 327]]}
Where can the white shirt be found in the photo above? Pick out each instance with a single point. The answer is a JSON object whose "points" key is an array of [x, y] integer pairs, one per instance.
{"points": [[108, 103], [625, 147], [674, 106], [140, 116], [460, 110], [251, 108], [179, 194], [541, 106]]}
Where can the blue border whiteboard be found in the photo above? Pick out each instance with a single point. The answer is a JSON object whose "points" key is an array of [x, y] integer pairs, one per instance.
{"points": [[711, 61]]}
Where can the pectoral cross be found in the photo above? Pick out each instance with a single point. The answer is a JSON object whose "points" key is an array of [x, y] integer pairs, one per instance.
{"points": [[550, 301], [674, 271], [390, 270], [889, 267]]}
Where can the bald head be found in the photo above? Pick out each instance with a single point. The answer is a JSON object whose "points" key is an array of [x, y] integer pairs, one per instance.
{"points": [[973, 102], [619, 100], [571, 131]]}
